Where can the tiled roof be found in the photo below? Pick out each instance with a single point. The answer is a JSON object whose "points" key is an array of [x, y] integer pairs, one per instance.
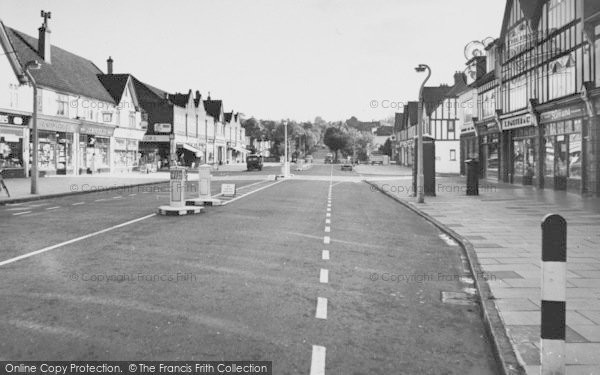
{"points": [[434, 96], [114, 84], [180, 100], [147, 95], [213, 108], [228, 116], [398, 121], [67, 73], [412, 108]]}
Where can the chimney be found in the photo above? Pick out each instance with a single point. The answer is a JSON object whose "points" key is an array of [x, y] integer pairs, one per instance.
{"points": [[459, 78], [109, 65], [198, 96], [44, 45]]}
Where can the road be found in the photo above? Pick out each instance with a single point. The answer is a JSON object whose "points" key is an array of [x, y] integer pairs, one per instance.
{"points": [[270, 276]]}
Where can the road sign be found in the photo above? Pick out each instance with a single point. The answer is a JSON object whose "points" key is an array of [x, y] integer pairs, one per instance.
{"points": [[228, 190]]}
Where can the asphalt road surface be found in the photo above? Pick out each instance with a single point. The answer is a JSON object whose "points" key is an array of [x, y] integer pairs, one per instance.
{"points": [[270, 276]]}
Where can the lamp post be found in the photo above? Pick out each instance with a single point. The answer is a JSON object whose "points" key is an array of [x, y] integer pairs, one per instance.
{"points": [[286, 165], [205, 141], [34, 65], [420, 177]]}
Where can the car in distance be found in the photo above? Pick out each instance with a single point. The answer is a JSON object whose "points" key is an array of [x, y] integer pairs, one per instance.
{"points": [[254, 162], [346, 166], [308, 159], [329, 158]]}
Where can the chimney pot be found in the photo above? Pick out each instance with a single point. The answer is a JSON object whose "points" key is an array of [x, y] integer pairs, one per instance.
{"points": [[109, 65]]}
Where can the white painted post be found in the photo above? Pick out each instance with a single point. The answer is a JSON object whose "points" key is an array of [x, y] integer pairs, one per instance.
{"points": [[554, 281]]}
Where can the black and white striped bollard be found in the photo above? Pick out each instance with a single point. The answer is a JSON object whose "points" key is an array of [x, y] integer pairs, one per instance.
{"points": [[554, 282]]}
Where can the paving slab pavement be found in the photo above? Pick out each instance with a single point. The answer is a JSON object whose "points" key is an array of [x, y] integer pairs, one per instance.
{"points": [[503, 225]]}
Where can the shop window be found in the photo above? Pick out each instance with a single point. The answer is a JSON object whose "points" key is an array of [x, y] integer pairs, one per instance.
{"points": [[107, 117], [575, 156], [549, 157], [11, 152], [452, 155]]}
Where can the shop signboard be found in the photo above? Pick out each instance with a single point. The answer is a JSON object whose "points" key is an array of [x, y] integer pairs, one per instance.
{"points": [[100, 131], [57, 126], [562, 114], [517, 122], [228, 190], [162, 128], [12, 119]]}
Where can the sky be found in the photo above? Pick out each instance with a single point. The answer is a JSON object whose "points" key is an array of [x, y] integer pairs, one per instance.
{"points": [[273, 59]]}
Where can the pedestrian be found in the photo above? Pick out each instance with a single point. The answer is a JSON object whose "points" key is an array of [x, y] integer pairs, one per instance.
{"points": [[2, 184]]}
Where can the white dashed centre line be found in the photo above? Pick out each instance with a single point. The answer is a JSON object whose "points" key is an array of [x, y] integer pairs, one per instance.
{"points": [[328, 214], [321, 308], [117, 197], [77, 204], [326, 240], [21, 213], [53, 208], [324, 276], [325, 254], [317, 363], [327, 221], [327, 229], [132, 195]]}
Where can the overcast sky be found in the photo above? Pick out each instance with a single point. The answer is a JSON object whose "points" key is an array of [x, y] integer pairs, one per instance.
{"points": [[273, 59]]}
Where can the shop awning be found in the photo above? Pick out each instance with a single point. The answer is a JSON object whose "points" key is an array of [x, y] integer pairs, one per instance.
{"points": [[191, 148]]}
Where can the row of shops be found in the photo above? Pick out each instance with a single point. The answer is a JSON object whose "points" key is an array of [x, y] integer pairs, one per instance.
{"points": [[539, 148], [67, 146]]}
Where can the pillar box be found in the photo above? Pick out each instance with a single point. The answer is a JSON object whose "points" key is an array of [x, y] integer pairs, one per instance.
{"points": [[177, 204], [204, 197]]}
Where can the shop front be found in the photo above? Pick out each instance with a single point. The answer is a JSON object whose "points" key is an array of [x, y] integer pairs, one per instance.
{"points": [[154, 152], [489, 149], [126, 153], [94, 148], [562, 147], [469, 145], [520, 135], [56, 147], [14, 140]]}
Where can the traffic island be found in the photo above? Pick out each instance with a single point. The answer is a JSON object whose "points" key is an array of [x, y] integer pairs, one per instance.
{"points": [[177, 205], [204, 197]]}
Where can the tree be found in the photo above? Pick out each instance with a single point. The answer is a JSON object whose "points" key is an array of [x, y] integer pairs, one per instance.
{"points": [[336, 139], [386, 148]]}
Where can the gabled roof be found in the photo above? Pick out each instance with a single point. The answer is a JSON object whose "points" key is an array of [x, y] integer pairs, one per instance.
{"points": [[487, 77], [147, 95], [115, 84], [459, 87], [11, 55], [412, 109], [434, 96], [214, 108], [384, 131], [228, 116], [67, 73], [179, 99], [398, 121]]}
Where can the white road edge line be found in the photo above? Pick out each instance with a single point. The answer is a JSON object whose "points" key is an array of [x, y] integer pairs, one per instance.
{"points": [[317, 362], [324, 276], [321, 308], [325, 254], [326, 240], [24, 256]]}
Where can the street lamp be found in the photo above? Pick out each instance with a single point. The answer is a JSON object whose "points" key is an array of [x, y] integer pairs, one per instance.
{"points": [[286, 165], [34, 65], [420, 177]]}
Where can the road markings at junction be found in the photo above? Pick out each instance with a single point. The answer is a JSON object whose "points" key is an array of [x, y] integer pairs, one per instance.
{"points": [[53, 247], [321, 308], [326, 240], [52, 208], [251, 192], [117, 197], [100, 200], [317, 363], [21, 213], [324, 276], [132, 195], [77, 204], [327, 229], [325, 254]]}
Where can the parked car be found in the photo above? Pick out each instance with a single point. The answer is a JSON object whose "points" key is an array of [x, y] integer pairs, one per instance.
{"points": [[347, 166], [254, 162]]}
